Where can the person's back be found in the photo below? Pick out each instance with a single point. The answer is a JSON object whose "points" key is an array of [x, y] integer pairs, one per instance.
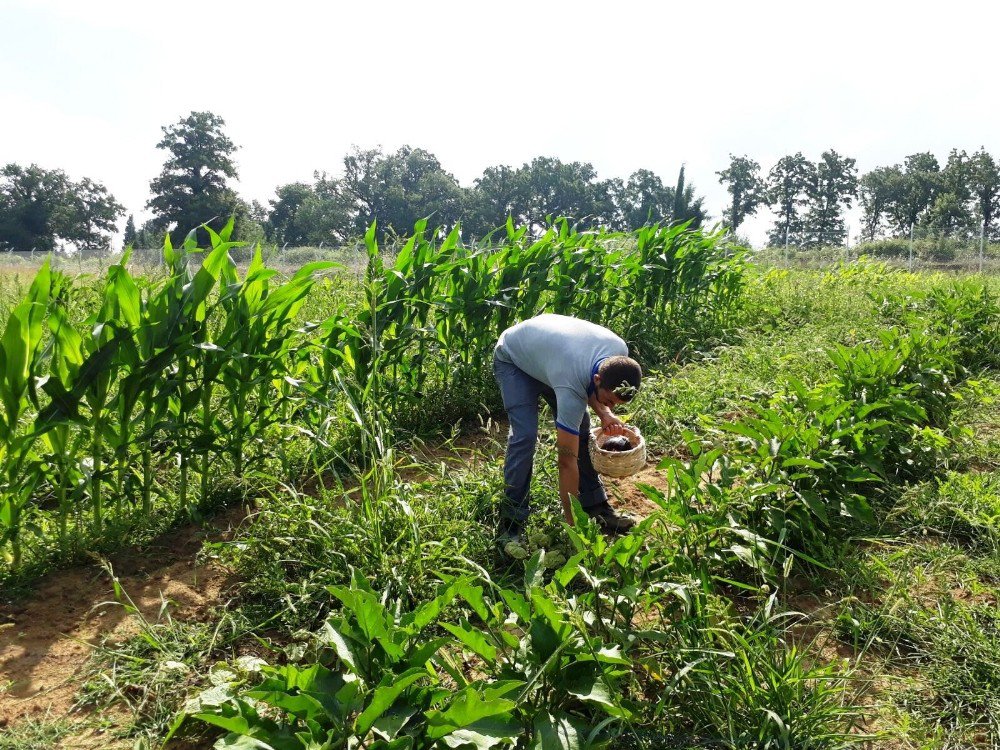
{"points": [[564, 353]]}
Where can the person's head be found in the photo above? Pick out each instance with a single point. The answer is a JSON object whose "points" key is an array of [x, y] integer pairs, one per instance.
{"points": [[617, 380]]}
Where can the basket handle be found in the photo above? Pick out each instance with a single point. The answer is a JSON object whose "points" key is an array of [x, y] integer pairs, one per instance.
{"points": [[600, 430]]}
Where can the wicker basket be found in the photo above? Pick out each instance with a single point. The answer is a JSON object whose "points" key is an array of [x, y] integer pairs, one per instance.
{"points": [[617, 463]]}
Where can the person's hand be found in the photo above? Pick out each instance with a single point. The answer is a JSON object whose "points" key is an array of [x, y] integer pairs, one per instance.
{"points": [[613, 426]]}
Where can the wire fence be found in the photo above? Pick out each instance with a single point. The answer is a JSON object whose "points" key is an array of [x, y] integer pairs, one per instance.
{"points": [[923, 251], [920, 250]]}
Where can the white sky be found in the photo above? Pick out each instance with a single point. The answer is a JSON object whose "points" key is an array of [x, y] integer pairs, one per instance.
{"points": [[86, 86]]}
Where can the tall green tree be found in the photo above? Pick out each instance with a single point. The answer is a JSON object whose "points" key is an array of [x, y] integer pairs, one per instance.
{"points": [[787, 183], [646, 200], [919, 188], [550, 187], [396, 190], [877, 191], [93, 215], [282, 225], [746, 189], [984, 184], [192, 188], [327, 214], [608, 209], [494, 196], [129, 237], [831, 189], [686, 206], [43, 209], [950, 211]]}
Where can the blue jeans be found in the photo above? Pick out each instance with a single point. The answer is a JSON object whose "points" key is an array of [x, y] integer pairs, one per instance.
{"points": [[520, 394]]}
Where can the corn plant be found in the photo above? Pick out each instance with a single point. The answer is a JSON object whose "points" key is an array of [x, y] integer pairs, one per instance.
{"points": [[20, 365], [168, 377]]}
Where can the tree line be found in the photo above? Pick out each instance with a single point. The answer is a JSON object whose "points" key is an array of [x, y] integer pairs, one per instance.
{"points": [[45, 210], [395, 190], [959, 199]]}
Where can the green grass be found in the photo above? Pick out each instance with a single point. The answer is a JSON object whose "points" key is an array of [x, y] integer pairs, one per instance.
{"points": [[948, 646], [36, 734]]}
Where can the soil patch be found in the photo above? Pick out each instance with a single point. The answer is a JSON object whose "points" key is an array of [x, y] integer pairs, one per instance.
{"points": [[45, 640], [627, 496]]}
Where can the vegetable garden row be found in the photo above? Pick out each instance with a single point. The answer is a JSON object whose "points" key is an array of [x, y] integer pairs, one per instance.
{"points": [[172, 381]]}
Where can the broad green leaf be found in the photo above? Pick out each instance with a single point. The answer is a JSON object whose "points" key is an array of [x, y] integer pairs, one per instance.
{"points": [[815, 504], [808, 462], [485, 734], [467, 708], [241, 742], [583, 680], [558, 732], [534, 569], [517, 604], [332, 637], [473, 595], [384, 697], [473, 639]]}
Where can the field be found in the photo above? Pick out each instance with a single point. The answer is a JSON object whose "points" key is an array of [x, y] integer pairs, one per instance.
{"points": [[249, 509]]}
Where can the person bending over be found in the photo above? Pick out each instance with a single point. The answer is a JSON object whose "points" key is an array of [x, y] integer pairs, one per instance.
{"points": [[572, 364]]}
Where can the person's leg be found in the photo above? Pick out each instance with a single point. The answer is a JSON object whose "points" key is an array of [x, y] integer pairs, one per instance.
{"points": [[520, 400]]}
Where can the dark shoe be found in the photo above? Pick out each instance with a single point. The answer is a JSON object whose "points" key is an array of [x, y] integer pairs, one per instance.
{"points": [[609, 520]]}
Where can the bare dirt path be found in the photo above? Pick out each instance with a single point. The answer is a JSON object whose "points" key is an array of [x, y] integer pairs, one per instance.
{"points": [[45, 640]]}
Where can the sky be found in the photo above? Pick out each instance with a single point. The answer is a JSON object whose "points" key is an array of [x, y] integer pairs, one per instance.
{"points": [[626, 85]]}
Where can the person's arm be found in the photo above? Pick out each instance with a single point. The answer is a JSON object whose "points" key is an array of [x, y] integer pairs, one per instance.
{"points": [[611, 424], [567, 446]]}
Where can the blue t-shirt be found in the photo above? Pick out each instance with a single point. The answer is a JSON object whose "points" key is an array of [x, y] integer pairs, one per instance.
{"points": [[564, 354]]}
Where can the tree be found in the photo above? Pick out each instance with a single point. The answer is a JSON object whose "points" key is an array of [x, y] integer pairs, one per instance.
{"points": [[191, 189], [327, 214], [916, 193], [686, 207], [949, 211], [645, 200], [746, 189], [397, 190], [128, 239], [831, 189], [149, 235], [41, 209], [984, 184], [877, 191], [92, 216], [608, 211], [786, 193], [550, 187], [282, 224], [494, 197], [30, 199], [249, 219]]}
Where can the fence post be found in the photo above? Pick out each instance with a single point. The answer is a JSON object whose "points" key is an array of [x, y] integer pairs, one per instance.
{"points": [[786, 244], [982, 245], [911, 249]]}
